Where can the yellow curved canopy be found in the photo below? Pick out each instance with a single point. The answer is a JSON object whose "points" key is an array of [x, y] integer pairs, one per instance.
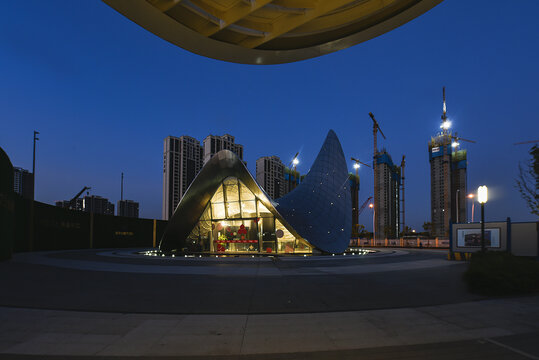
{"points": [[269, 31]]}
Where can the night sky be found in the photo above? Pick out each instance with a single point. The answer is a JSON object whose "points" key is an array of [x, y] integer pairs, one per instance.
{"points": [[104, 93]]}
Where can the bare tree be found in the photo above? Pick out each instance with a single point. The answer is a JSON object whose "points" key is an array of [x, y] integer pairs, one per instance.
{"points": [[527, 182]]}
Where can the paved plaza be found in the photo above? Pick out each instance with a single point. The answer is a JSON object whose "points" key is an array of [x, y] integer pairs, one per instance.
{"points": [[399, 304]]}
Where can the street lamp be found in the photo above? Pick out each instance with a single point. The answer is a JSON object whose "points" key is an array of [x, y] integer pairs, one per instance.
{"points": [[371, 205], [482, 197], [471, 196], [36, 133], [457, 198]]}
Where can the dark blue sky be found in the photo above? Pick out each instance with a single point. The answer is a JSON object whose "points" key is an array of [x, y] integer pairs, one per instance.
{"points": [[104, 93]]}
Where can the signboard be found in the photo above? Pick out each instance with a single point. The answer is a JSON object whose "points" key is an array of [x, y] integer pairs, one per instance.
{"points": [[472, 237], [435, 149]]}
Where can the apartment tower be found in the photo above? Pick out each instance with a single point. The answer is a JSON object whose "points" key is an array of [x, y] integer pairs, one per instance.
{"points": [[270, 175], [213, 144], [182, 160]]}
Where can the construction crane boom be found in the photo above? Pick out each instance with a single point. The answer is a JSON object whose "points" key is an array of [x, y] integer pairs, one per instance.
{"points": [[292, 162], [364, 205], [526, 142], [376, 125], [359, 162], [458, 138], [72, 201]]}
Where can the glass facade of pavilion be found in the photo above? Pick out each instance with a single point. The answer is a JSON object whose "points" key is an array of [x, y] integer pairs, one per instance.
{"points": [[236, 221]]}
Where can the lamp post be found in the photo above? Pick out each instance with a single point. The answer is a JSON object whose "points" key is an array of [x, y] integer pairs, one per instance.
{"points": [[36, 133], [355, 198], [371, 205], [457, 198], [482, 197], [471, 196]]}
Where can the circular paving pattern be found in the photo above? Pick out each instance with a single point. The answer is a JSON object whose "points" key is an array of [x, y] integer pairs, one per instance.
{"points": [[124, 281]]}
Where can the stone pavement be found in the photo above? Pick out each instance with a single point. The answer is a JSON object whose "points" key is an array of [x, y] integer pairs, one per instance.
{"points": [[505, 328], [94, 280]]}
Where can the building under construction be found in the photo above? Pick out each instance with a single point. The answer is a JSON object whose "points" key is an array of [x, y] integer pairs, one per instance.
{"points": [[386, 197], [448, 166], [353, 183]]}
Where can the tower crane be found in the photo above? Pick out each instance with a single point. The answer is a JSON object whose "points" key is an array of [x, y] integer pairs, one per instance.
{"points": [[364, 205], [355, 194], [375, 129], [72, 202], [402, 194]]}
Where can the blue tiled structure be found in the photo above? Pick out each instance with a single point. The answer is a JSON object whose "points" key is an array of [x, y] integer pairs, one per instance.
{"points": [[319, 209]]}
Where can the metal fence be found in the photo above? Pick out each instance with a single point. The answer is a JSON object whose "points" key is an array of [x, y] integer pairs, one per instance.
{"points": [[407, 242]]}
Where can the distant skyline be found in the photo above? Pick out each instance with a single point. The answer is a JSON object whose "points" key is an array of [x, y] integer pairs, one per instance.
{"points": [[104, 93]]}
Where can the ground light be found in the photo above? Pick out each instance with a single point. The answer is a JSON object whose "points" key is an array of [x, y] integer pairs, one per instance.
{"points": [[482, 197]]}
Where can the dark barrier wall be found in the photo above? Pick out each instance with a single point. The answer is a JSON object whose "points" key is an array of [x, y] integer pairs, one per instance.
{"points": [[57, 228], [7, 206]]}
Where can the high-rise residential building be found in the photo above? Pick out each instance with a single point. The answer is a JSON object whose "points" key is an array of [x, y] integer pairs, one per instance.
{"points": [[387, 198], [97, 205], [447, 179], [23, 183], [128, 208], [213, 144], [270, 175], [182, 160]]}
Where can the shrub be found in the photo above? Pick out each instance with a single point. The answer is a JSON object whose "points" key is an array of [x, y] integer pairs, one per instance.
{"points": [[500, 273]]}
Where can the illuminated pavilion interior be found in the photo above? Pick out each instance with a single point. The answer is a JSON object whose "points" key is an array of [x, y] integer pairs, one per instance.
{"points": [[269, 31], [225, 211], [236, 221]]}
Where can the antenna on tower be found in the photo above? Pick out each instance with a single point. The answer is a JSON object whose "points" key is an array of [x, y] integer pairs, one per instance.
{"points": [[444, 117], [446, 124], [122, 190]]}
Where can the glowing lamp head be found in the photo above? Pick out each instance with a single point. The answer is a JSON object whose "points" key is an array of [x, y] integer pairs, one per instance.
{"points": [[471, 196], [482, 194], [446, 125], [295, 161], [371, 205], [356, 166], [455, 144]]}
